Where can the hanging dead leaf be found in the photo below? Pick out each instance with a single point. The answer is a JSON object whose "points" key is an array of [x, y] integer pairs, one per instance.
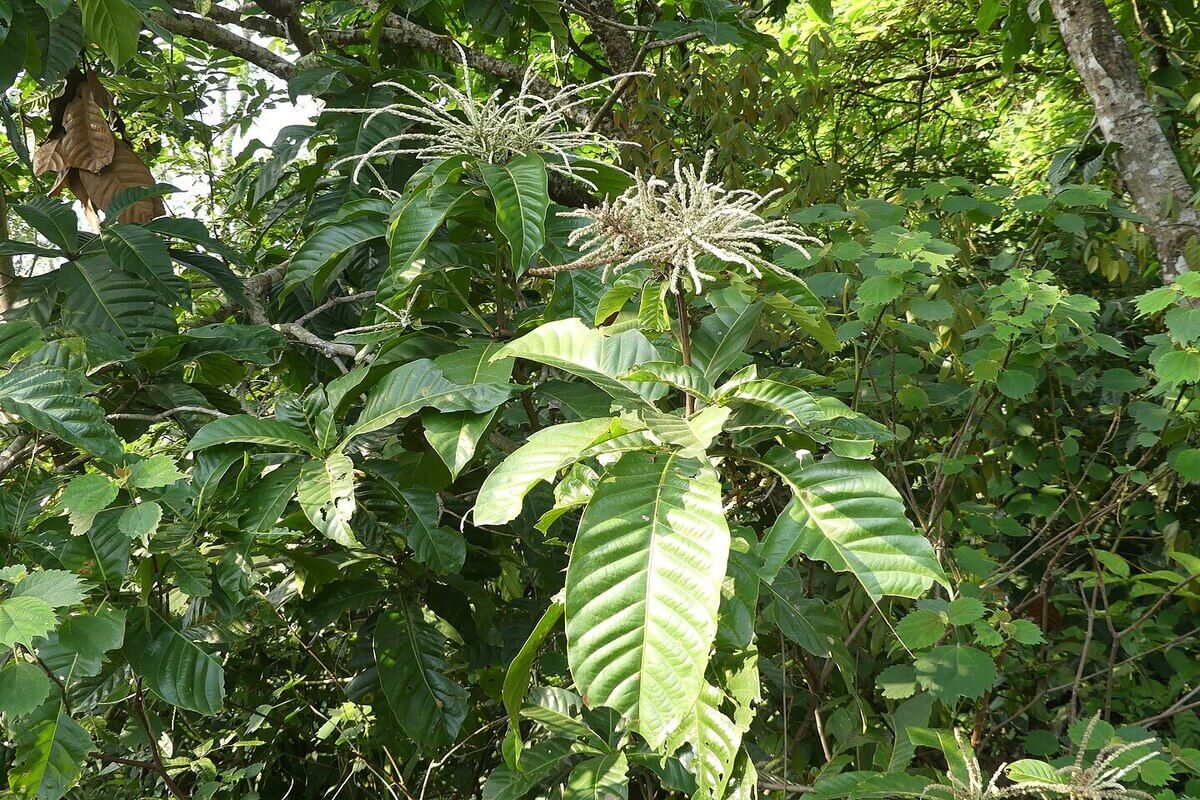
{"points": [[125, 171], [47, 157], [63, 179], [58, 106], [100, 95], [88, 142], [75, 181]]}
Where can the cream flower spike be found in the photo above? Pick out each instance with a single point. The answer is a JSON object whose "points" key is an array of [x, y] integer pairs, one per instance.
{"points": [[673, 226], [491, 130]]}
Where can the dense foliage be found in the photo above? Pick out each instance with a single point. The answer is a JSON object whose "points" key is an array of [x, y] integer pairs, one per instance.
{"points": [[591, 400]]}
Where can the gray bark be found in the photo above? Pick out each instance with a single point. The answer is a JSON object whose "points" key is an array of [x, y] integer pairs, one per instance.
{"points": [[1144, 157]]}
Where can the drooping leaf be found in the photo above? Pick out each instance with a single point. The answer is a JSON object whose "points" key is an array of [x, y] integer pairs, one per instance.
{"points": [[643, 588], [569, 345], [604, 777], [47, 397], [419, 217], [519, 191], [516, 678], [714, 741], [845, 513], [409, 654], [252, 430], [421, 384], [172, 662], [325, 490], [539, 459], [315, 259]]}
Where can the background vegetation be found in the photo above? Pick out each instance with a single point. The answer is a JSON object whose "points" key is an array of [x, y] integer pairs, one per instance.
{"points": [[370, 430]]}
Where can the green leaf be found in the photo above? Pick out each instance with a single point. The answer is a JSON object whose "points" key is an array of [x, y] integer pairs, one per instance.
{"points": [[1016, 384], [1026, 632], [455, 436], [318, 256], [1028, 770], [78, 648], [58, 588], [794, 407], [845, 513], [953, 671], [326, 493], [1187, 464], [252, 430], [604, 777], [897, 682], [965, 610], [23, 688], [409, 655], [23, 619], [85, 496], [114, 25], [100, 297], [51, 749], [880, 290], [53, 219], [141, 521], [419, 216], [1179, 366], [173, 664], [539, 459], [714, 740], [443, 550], [421, 384], [569, 345], [137, 250], [643, 589], [920, 629], [539, 764], [721, 338], [153, 473], [516, 678], [519, 191], [48, 398], [806, 621], [102, 553]]}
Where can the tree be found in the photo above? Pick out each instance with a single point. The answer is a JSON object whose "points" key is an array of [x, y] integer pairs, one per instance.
{"points": [[1144, 156]]}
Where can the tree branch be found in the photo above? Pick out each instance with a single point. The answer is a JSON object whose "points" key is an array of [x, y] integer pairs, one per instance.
{"points": [[205, 30]]}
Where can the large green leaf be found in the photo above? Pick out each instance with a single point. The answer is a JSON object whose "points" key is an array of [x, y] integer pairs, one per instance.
{"points": [[48, 398], [845, 513], [790, 406], [714, 739], [421, 384], [643, 589], [137, 250], [516, 679], [315, 259], [252, 430], [23, 619], [102, 553], [604, 777], [78, 648], [100, 297], [172, 662], [51, 749], [569, 345], [419, 216], [539, 459], [326, 493], [114, 25], [519, 190], [53, 219], [409, 655]]}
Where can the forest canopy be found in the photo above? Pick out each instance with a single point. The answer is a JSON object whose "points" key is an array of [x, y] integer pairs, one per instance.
{"points": [[569, 399]]}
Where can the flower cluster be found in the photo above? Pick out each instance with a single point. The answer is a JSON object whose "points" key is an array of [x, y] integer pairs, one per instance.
{"points": [[491, 130], [678, 226]]}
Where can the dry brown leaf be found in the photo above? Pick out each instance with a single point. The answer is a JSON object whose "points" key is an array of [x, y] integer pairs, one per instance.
{"points": [[88, 142], [63, 179], [47, 157], [125, 171], [75, 181]]}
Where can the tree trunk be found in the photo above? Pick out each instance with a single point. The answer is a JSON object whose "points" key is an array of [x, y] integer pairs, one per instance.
{"points": [[8, 280], [1147, 164]]}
